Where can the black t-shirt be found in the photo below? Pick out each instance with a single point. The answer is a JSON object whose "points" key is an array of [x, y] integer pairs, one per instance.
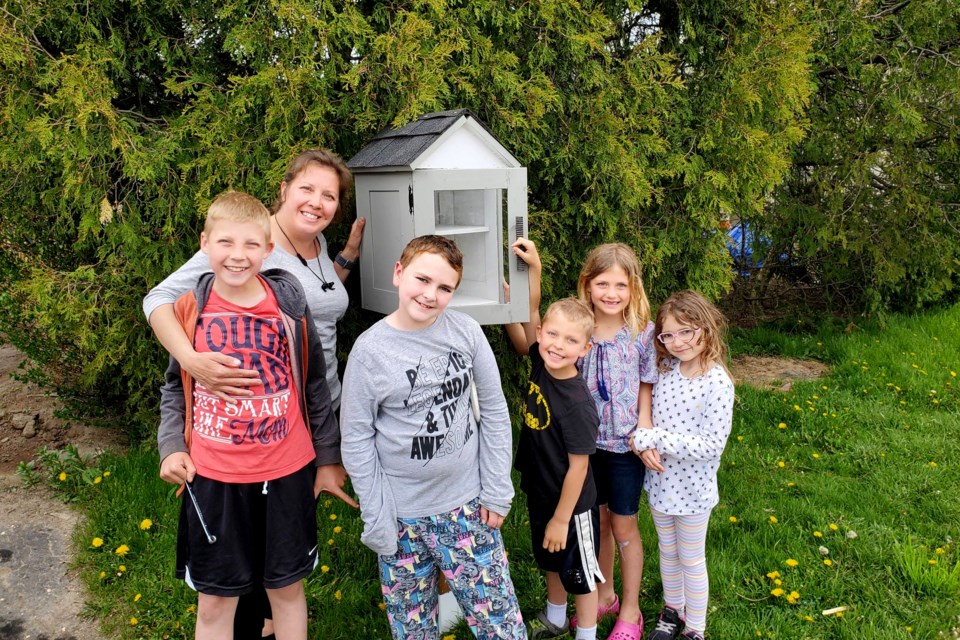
{"points": [[560, 418]]}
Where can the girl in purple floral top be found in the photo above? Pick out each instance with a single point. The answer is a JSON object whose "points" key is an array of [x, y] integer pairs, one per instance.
{"points": [[620, 371]]}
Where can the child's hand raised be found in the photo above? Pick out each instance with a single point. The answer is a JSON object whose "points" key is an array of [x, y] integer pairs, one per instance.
{"points": [[526, 250]]}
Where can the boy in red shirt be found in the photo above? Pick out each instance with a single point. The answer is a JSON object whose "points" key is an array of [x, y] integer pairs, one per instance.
{"points": [[251, 465]]}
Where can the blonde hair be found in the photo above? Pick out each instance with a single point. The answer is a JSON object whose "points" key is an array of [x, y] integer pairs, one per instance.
{"points": [[237, 206], [693, 310], [636, 315], [573, 310], [321, 158], [439, 245]]}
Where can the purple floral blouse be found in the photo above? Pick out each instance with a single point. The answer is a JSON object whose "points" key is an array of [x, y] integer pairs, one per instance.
{"points": [[613, 370]]}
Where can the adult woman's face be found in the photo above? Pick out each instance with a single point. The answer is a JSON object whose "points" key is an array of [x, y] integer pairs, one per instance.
{"points": [[309, 201]]}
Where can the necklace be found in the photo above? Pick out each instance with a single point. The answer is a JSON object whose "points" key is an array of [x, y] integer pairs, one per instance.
{"points": [[326, 286]]}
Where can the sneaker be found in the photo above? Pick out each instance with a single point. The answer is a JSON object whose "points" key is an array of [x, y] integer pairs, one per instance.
{"points": [[668, 625], [692, 635], [541, 627]]}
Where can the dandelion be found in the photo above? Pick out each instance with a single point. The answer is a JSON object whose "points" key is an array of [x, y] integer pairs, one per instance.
{"points": [[808, 618], [333, 516], [851, 534], [133, 621], [817, 534], [953, 374], [833, 527], [773, 520], [97, 543], [791, 484], [776, 593], [98, 480], [137, 597], [778, 582], [781, 464], [330, 542], [796, 407], [782, 425], [324, 569], [932, 561], [382, 606], [145, 524], [932, 464], [122, 550], [106, 474], [103, 574], [828, 562], [791, 562], [739, 438], [793, 597], [338, 595], [823, 550], [939, 551], [192, 608], [733, 519], [816, 456], [62, 476], [337, 529], [839, 614], [773, 575], [122, 568]]}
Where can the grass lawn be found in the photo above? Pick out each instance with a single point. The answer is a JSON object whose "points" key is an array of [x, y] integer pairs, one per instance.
{"points": [[841, 492]]}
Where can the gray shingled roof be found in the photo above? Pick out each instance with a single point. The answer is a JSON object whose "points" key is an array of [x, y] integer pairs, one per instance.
{"points": [[400, 147]]}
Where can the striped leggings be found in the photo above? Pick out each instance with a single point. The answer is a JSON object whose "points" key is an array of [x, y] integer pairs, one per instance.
{"points": [[683, 565]]}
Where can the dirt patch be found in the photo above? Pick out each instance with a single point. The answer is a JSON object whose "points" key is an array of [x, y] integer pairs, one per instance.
{"points": [[775, 373], [40, 598]]}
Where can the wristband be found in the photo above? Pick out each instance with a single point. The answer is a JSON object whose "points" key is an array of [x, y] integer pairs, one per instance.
{"points": [[343, 262]]}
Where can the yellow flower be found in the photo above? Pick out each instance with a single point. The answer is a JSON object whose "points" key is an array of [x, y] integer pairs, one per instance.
{"points": [[782, 425], [337, 529], [932, 561], [145, 524], [953, 374], [338, 595], [816, 456], [778, 582], [793, 597], [137, 597], [733, 519], [330, 541], [817, 534], [122, 550], [791, 562], [98, 480], [739, 438], [62, 476], [791, 484], [796, 407], [192, 608], [333, 516], [324, 569], [133, 621], [776, 593], [808, 618], [773, 520], [773, 575], [833, 527], [781, 464], [828, 562], [106, 474], [382, 606], [939, 551], [122, 568], [103, 574], [839, 614], [931, 464], [909, 629], [97, 543]]}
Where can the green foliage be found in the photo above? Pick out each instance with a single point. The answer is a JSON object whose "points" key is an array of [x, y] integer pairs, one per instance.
{"points": [[869, 208], [641, 122]]}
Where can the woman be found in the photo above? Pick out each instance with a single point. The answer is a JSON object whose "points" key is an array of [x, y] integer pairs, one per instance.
{"points": [[315, 186]]}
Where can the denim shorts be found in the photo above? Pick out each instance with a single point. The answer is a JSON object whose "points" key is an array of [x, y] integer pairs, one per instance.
{"points": [[619, 478]]}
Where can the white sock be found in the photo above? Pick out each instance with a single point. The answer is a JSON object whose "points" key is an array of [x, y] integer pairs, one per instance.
{"points": [[587, 633], [557, 613]]}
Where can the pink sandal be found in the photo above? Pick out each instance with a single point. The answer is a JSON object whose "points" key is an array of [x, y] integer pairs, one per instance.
{"points": [[624, 630], [610, 610]]}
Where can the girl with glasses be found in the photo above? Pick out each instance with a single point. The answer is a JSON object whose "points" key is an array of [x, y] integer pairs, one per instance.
{"points": [[620, 370], [692, 417]]}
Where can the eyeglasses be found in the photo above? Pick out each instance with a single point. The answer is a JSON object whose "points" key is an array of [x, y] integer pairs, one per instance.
{"points": [[684, 335]]}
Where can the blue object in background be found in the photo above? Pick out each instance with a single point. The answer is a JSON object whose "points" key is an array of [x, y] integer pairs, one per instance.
{"points": [[742, 244]]}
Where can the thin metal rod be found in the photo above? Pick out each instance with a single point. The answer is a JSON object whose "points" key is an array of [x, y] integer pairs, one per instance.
{"points": [[203, 523]]}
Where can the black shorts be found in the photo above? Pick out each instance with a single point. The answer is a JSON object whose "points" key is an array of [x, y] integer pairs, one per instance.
{"points": [[577, 564], [266, 533]]}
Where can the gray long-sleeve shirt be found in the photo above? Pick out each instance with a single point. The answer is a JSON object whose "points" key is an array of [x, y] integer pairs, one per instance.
{"points": [[409, 439]]}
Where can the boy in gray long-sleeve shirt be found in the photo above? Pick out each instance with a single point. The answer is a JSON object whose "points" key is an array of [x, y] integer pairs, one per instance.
{"points": [[431, 468]]}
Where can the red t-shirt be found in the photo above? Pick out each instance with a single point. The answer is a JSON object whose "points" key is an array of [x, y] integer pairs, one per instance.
{"points": [[261, 437]]}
